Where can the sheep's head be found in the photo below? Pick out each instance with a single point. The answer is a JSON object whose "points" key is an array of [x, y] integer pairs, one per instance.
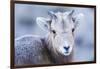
{"points": [[61, 27]]}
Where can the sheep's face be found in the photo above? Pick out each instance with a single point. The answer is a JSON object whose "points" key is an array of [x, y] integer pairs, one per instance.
{"points": [[61, 28], [61, 33]]}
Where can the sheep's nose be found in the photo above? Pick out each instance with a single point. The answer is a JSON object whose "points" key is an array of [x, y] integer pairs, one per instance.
{"points": [[66, 48]]}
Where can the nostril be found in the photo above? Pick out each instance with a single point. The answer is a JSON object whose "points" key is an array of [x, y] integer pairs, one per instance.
{"points": [[66, 48]]}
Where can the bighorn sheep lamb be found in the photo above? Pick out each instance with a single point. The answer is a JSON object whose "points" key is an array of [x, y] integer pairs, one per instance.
{"points": [[55, 47]]}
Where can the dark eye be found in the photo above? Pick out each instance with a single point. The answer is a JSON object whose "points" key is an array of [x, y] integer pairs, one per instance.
{"points": [[73, 19], [54, 31], [73, 30]]}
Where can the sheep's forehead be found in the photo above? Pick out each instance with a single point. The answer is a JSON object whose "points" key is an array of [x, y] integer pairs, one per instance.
{"points": [[63, 18], [61, 14], [62, 22]]}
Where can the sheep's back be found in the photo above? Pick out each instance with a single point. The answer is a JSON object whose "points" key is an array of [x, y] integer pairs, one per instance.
{"points": [[30, 50]]}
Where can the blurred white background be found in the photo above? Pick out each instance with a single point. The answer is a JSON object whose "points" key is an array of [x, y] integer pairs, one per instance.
{"points": [[5, 34]]}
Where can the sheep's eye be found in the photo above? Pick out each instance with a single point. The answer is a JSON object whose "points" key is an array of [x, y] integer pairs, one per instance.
{"points": [[73, 30], [73, 19], [54, 31]]}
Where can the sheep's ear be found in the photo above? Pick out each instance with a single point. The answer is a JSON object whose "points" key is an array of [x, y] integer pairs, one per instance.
{"points": [[78, 18], [43, 23]]}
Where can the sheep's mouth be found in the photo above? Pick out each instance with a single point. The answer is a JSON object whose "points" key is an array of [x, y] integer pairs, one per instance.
{"points": [[66, 53]]}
